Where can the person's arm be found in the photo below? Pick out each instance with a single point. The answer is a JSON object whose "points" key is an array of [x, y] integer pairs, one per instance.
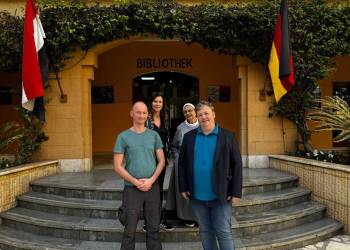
{"points": [[183, 188], [121, 171], [236, 170], [175, 146], [148, 182]]}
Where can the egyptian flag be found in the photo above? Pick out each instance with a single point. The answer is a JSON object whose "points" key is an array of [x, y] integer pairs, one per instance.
{"points": [[281, 62], [35, 63]]}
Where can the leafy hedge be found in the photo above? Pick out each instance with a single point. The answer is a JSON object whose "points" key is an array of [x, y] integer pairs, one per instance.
{"points": [[319, 32]]}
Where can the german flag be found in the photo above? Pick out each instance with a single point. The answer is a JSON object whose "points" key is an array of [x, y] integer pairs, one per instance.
{"points": [[281, 62]]}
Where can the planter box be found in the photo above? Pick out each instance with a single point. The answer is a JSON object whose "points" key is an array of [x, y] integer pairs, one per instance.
{"points": [[15, 181], [329, 183]]}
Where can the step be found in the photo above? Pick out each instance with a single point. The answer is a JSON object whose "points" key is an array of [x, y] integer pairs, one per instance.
{"points": [[111, 230], [108, 208], [260, 202], [56, 204], [277, 219], [11, 239], [265, 180], [105, 184], [285, 239], [295, 237]]}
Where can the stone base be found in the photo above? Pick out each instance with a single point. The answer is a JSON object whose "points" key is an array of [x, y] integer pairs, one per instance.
{"points": [[75, 165], [255, 161]]}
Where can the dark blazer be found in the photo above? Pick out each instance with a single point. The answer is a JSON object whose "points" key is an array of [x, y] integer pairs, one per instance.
{"points": [[227, 170]]}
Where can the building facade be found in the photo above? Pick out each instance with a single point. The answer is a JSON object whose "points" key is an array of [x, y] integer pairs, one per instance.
{"points": [[102, 84]]}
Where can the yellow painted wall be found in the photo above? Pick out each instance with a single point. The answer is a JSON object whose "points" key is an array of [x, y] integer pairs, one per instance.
{"points": [[118, 67], [265, 135]]}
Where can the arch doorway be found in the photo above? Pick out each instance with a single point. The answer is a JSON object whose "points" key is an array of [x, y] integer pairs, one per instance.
{"points": [[176, 88]]}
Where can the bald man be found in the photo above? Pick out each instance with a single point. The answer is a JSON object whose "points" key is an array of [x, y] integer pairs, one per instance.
{"points": [[142, 151]]}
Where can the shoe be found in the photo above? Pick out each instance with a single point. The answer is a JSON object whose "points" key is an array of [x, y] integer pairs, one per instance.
{"points": [[189, 223], [144, 228], [165, 226]]}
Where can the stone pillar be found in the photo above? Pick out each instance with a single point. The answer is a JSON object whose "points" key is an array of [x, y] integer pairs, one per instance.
{"points": [[243, 82], [68, 125]]}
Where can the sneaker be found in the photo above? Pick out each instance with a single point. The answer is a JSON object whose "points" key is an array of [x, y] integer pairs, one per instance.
{"points": [[165, 226], [189, 223]]}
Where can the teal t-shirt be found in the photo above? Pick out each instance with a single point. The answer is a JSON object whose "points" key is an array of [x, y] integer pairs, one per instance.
{"points": [[139, 151]]}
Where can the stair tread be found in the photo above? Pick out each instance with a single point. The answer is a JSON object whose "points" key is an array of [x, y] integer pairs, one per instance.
{"points": [[298, 233], [84, 223], [61, 201], [107, 180], [277, 215], [266, 197], [27, 240], [301, 233]]}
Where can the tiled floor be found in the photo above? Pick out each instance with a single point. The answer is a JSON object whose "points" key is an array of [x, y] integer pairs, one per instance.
{"points": [[340, 242]]}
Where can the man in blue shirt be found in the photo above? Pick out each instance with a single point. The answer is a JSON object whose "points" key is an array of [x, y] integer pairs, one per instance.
{"points": [[142, 151], [210, 175]]}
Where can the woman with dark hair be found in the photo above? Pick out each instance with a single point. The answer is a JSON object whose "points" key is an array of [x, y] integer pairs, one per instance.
{"points": [[159, 122]]}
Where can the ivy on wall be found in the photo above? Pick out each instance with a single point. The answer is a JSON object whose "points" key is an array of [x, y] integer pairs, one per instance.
{"points": [[319, 32]]}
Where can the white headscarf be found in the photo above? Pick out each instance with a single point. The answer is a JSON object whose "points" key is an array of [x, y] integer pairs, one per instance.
{"points": [[188, 104]]}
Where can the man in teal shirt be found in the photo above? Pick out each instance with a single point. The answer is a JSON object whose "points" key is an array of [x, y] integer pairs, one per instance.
{"points": [[141, 150]]}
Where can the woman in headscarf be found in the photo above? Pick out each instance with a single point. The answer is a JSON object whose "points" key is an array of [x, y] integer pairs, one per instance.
{"points": [[174, 199]]}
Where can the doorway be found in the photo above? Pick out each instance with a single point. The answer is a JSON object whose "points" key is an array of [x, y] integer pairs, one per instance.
{"points": [[176, 88]]}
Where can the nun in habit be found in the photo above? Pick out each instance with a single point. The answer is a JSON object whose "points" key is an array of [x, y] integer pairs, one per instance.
{"points": [[174, 200]]}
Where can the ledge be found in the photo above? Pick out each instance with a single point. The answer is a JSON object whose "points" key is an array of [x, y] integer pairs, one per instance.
{"points": [[327, 165], [25, 167]]}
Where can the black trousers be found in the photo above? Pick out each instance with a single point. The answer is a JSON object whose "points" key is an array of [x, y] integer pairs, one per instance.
{"points": [[133, 201]]}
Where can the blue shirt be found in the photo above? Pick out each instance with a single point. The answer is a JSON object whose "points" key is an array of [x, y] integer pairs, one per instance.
{"points": [[204, 154]]}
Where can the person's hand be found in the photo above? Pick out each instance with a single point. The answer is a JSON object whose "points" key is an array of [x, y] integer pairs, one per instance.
{"points": [[185, 195], [234, 200], [146, 184], [137, 183]]}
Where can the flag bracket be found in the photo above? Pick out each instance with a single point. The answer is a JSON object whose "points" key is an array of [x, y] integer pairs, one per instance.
{"points": [[262, 95], [64, 98]]}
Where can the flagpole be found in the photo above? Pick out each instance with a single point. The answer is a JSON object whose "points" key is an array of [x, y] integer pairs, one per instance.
{"points": [[283, 137], [63, 97]]}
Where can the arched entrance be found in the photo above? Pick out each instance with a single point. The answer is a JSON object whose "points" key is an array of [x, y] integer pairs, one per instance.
{"points": [[182, 73], [176, 88]]}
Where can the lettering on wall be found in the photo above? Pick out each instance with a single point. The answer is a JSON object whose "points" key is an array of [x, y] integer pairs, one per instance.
{"points": [[164, 63]]}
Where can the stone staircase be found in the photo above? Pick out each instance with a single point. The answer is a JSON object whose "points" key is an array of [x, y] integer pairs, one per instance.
{"points": [[79, 211]]}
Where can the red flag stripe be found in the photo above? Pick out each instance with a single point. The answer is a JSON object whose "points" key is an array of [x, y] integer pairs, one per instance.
{"points": [[31, 76]]}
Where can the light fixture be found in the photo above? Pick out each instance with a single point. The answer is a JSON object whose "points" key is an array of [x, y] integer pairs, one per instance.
{"points": [[147, 78]]}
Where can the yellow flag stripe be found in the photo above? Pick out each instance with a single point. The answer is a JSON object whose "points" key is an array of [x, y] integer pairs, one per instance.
{"points": [[274, 72]]}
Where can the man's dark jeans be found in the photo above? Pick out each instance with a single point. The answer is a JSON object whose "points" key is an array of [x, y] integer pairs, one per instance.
{"points": [[133, 201]]}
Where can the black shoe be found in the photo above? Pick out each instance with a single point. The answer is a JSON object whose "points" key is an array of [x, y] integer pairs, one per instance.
{"points": [[189, 223], [165, 226]]}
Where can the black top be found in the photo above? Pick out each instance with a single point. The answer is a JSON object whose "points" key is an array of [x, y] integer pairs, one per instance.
{"points": [[163, 133]]}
